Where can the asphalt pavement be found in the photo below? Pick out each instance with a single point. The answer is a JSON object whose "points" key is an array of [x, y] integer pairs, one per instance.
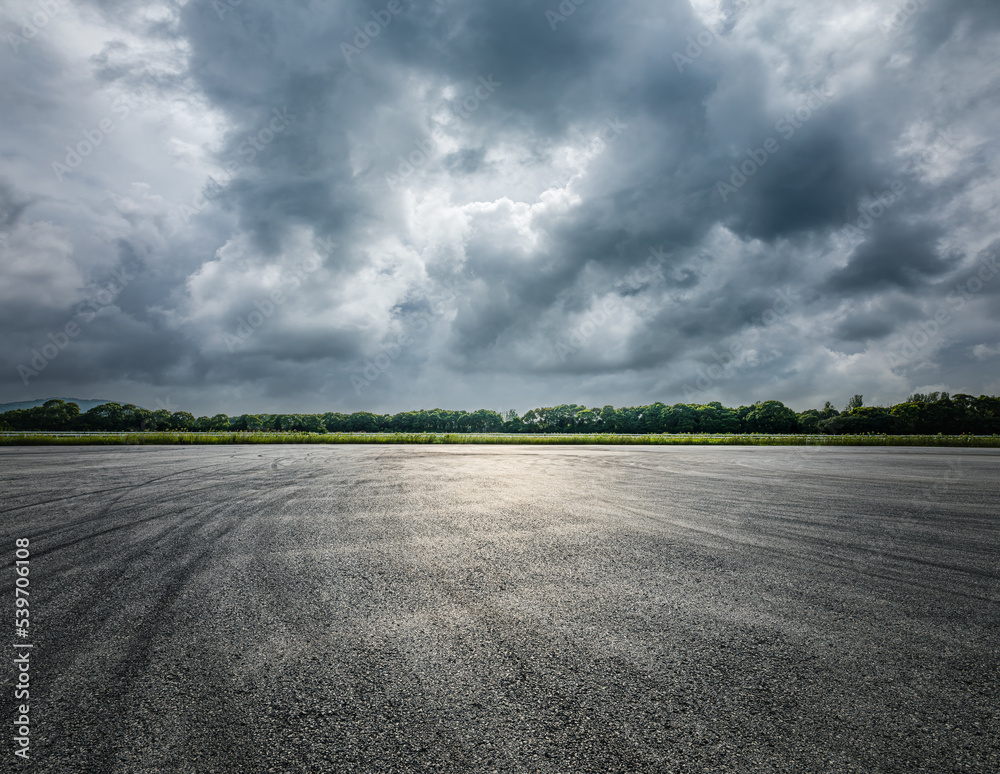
{"points": [[504, 608]]}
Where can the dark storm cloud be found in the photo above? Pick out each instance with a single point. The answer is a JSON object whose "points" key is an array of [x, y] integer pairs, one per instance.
{"points": [[532, 201], [13, 203], [865, 328], [898, 255], [875, 320]]}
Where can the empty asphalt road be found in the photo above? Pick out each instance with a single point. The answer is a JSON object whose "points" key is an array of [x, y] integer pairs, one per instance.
{"points": [[503, 608]]}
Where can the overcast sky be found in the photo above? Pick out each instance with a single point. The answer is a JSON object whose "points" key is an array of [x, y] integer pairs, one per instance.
{"points": [[336, 206]]}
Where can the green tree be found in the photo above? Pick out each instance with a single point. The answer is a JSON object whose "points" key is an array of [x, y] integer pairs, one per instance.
{"points": [[609, 419], [362, 422], [247, 423], [108, 417], [335, 423], [182, 420], [770, 416], [588, 421], [512, 422], [908, 417], [716, 418], [809, 420], [56, 415], [679, 418], [862, 421], [312, 423], [628, 420]]}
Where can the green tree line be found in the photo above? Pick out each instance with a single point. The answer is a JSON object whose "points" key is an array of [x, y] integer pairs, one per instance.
{"points": [[921, 414]]}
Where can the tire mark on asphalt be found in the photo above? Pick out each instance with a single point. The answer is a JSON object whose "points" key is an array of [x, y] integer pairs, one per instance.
{"points": [[199, 472], [118, 673], [78, 495]]}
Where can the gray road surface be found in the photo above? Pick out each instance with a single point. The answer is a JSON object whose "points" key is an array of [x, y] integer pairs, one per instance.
{"points": [[552, 609]]}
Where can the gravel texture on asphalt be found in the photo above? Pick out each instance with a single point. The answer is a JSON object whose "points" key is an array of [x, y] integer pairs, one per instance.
{"points": [[508, 609]]}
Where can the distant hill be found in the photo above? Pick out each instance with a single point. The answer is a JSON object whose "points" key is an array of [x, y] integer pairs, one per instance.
{"points": [[85, 405]]}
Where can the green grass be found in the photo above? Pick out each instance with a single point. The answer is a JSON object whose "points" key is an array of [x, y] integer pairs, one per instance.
{"points": [[180, 438]]}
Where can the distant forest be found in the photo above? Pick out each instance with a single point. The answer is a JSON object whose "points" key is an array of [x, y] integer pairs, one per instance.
{"points": [[921, 414]]}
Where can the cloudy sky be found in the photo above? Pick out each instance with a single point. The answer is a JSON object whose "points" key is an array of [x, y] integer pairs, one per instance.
{"points": [[247, 206]]}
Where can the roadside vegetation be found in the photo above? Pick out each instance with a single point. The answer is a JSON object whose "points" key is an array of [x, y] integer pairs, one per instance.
{"points": [[934, 419], [209, 438]]}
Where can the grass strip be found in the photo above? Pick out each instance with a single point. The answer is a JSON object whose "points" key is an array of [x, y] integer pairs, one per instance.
{"points": [[156, 438]]}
